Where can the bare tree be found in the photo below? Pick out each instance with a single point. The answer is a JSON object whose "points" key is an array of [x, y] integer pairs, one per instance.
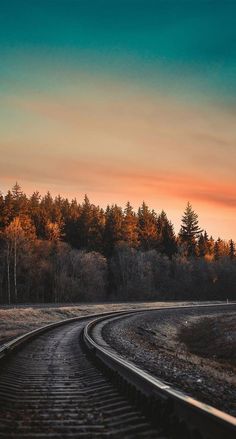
{"points": [[17, 233]]}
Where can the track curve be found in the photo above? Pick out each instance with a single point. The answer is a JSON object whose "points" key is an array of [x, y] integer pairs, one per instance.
{"points": [[54, 387], [50, 388], [181, 415]]}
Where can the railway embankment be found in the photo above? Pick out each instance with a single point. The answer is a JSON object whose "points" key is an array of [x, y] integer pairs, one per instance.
{"points": [[193, 350]]}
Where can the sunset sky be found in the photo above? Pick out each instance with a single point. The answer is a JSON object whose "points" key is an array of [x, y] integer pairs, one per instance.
{"points": [[122, 99]]}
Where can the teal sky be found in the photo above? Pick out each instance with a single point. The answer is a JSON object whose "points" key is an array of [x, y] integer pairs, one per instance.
{"points": [[122, 99], [175, 44]]}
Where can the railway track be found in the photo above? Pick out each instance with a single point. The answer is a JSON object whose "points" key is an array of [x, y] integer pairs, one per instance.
{"points": [[62, 382]]}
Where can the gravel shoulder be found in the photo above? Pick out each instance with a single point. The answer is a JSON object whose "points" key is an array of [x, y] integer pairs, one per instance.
{"points": [[152, 341]]}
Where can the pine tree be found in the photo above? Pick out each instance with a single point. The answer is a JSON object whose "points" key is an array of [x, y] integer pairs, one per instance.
{"points": [[71, 227], [147, 224], [57, 211], [130, 226], [8, 209], [211, 244], [20, 201], [35, 213], [113, 228], [65, 209], [217, 249], [17, 191], [166, 237], [96, 230], [221, 249], [46, 213], [203, 247], [190, 230], [231, 249], [84, 222], [1, 211]]}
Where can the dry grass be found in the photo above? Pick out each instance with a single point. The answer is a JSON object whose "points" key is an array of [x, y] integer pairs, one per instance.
{"points": [[211, 337], [15, 321]]}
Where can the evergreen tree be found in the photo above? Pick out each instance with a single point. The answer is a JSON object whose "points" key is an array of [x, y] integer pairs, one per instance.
{"points": [[130, 226], [211, 244], [46, 213], [65, 210], [1, 211], [20, 201], [57, 211], [96, 230], [231, 249], [166, 243], [71, 227], [217, 250], [190, 230], [36, 265], [35, 213], [147, 225], [221, 249], [75, 209], [113, 228], [203, 247], [8, 209], [17, 191], [85, 222]]}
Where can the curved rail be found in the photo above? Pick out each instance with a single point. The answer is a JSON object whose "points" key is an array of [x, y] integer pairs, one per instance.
{"points": [[50, 388], [17, 342], [12, 345], [182, 415]]}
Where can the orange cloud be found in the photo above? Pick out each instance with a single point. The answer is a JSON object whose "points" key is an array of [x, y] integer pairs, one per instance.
{"points": [[117, 146], [120, 178]]}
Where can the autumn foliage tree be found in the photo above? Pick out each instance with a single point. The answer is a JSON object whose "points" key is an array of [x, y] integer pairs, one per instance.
{"points": [[54, 249], [18, 235], [130, 226], [113, 228], [147, 224]]}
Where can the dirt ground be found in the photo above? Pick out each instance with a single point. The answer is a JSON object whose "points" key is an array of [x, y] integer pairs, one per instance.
{"points": [[192, 350], [212, 337]]}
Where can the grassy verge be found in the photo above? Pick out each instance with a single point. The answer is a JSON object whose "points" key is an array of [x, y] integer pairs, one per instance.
{"points": [[15, 321], [211, 337]]}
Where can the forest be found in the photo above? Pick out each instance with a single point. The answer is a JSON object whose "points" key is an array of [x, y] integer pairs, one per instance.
{"points": [[56, 250]]}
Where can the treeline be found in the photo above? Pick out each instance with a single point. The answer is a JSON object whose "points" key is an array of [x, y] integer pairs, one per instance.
{"points": [[53, 249]]}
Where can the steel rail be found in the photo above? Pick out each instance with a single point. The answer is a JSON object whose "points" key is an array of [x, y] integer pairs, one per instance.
{"points": [[43, 381], [14, 344], [51, 388], [181, 415]]}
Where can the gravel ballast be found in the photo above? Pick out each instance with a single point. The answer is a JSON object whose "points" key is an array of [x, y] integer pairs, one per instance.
{"points": [[18, 319], [152, 341]]}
